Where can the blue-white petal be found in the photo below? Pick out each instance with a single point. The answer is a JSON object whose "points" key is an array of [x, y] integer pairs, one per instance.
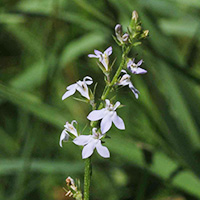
{"points": [[134, 90], [82, 140], [88, 80], [93, 56], [140, 62], [108, 51], [106, 123], [98, 53], [118, 122], [68, 93], [96, 114], [102, 150], [63, 137], [88, 150], [141, 71], [117, 104], [83, 90]]}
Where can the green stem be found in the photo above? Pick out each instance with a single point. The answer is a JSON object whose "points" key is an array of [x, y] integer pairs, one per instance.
{"points": [[87, 178], [114, 80]]}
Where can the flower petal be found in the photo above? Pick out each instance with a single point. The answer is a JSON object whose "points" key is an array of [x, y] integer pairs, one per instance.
{"points": [[88, 80], [102, 150], [88, 149], [106, 123], [82, 140], [107, 102], [134, 90], [139, 63], [123, 83], [68, 93], [93, 56], [125, 80], [130, 62], [96, 114], [123, 71], [119, 123], [131, 69], [94, 131], [105, 63], [74, 121], [141, 71], [71, 129], [108, 51], [83, 89], [98, 53], [63, 137], [117, 104], [72, 87]]}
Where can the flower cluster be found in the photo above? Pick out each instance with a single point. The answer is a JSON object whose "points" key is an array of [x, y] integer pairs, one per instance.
{"points": [[134, 32], [105, 113]]}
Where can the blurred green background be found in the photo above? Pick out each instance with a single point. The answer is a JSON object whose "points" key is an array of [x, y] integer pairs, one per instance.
{"points": [[43, 48]]}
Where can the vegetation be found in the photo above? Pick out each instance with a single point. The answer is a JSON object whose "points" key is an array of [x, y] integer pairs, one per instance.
{"points": [[44, 48]]}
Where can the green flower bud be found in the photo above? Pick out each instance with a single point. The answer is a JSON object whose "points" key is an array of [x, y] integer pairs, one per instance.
{"points": [[146, 33], [125, 38], [138, 28]]}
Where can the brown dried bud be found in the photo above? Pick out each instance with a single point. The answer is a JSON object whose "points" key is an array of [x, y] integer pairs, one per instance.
{"points": [[69, 181]]}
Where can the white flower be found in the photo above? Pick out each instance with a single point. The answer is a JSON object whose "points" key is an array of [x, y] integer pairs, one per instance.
{"points": [[134, 68], [125, 80], [108, 115], [103, 57], [81, 86], [69, 128], [90, 142]]}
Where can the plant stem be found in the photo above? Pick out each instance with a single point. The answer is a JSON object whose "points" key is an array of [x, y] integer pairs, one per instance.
{"points": [[87, 178], [114, 80], [108, 88]]}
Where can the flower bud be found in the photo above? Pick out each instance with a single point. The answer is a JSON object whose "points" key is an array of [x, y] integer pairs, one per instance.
{"points": [[69, 181], [146, 33], [118, 29], [138, 28], [135, 16], [125, 37], [118, 32]]}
